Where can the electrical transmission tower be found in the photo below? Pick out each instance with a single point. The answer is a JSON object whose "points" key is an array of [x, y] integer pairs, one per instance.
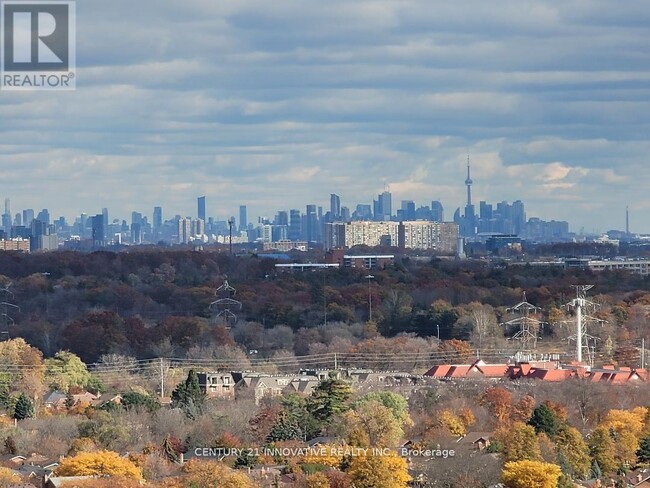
{"points": [[528, 324], [582, 307], [6, 309], [225, 305]]}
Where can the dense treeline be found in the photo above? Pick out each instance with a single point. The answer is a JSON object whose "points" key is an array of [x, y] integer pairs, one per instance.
{"points": [[156, 302]]}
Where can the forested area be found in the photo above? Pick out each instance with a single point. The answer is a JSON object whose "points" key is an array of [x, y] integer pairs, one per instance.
{"points": [[116, 310], [155, 303]]}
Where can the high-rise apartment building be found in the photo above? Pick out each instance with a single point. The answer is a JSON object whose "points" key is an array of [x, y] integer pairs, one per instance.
{"points": [[184, 230]]}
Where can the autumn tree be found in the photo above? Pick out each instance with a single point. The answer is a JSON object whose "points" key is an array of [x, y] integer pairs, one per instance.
{"points": [[29, 377], [208, 474], [625, 428], [378, 472], [65, 370], [99, 463], [9, 478], [371, 424], [601, 449], [317, 480], [520, 443], [452, 423], [572, 447], [498, 401], [530, 474], [523, 409]]}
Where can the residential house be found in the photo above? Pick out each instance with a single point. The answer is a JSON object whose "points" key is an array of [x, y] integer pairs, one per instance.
{"points": [[475, 440], [217, 385], [264, 385]]}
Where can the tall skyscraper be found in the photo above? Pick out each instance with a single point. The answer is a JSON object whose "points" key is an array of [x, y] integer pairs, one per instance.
{"points": [[98, 231], [243, 218], [105, 217], [437, 211], [157, 218], [310, 231], [518, 217], [28, 216], [44, 216], [383, 209], [295, 228], [408, 209], [201, 208], [335, 207], [282, 218]]}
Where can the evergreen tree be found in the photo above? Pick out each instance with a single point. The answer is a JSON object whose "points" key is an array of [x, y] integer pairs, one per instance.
{"points": [[24, 408], [644, 450], [329, 398], [544, 420], [596, 472], [188, 396], [284, 429]]}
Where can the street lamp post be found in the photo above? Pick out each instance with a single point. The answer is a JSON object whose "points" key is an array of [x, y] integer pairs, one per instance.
{"points": [[369, 278]]}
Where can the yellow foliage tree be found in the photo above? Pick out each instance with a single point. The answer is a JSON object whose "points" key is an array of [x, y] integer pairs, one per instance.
{"points": [[371, 424], [530, 474], [99, 463], [379, 472], [467, 417], [452, 423], [601, 449], [627, 427], [571, 445], [624, 420], [208, 474], [318, 480], [8, 477], [520, 443], [325, 457]]}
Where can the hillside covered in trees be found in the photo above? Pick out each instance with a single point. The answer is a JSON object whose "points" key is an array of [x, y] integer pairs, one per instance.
{"points": [[151, 303]]}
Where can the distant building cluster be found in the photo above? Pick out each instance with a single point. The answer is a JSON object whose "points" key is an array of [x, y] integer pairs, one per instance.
{"points": [[505, 218], [379, 223]]}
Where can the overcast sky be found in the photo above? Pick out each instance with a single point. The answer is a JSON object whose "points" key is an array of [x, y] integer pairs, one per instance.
{"points": [[277, 104]]}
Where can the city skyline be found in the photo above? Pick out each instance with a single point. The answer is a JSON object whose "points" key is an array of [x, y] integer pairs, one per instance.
{"points": [[270, 104]]}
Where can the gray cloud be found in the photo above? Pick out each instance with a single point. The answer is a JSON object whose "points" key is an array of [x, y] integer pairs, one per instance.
{"points": [[277, 104]]}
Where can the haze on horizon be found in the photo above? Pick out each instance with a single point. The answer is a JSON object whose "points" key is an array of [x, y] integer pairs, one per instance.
{"points": [[278, 104]]}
